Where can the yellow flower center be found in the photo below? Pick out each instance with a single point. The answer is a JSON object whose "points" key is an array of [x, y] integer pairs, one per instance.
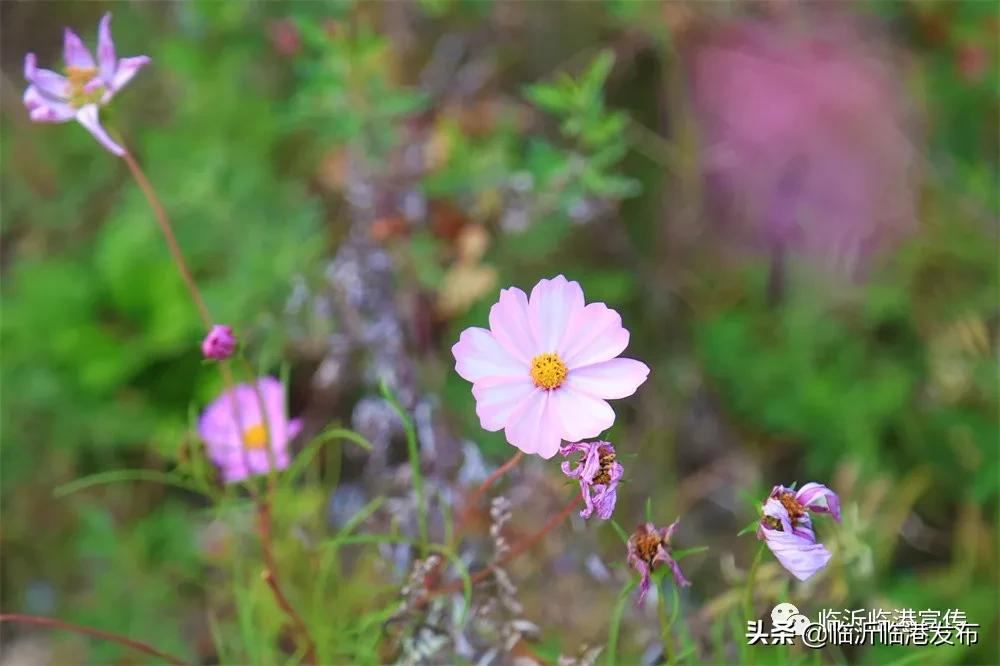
{"points": [[255, 437], [548, 371], [78, 78]]}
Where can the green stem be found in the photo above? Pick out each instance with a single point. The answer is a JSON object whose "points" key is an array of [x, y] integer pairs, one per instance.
{"points": [[665, 625], [748, 592]]}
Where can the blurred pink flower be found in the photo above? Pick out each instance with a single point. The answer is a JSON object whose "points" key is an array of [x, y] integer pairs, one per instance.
{"points": [[87, 85], [546, 367], [219, 344], [239, 449], [806, 150], [649, 546], [598, 472], [787, 528]]}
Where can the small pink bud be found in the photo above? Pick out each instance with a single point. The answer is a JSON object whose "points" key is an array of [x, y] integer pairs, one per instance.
{"points": [[219, 344]]}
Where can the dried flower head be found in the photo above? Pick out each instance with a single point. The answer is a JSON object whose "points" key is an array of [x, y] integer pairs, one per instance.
{"points": [[219, 344], [545, 368], [648, 546], [787, 528], [86, 85], [598, 471], [238, 433]]}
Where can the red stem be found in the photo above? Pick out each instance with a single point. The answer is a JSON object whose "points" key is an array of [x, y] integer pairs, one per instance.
{"points": [[90, 631], [168, 233], [271, 578], [521, 547], [470, 504]]}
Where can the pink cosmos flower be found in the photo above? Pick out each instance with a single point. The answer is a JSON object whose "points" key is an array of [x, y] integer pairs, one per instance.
{"points": [[87, 85], [545, 368], [598, 472], [649, 546], [787, 528], [236, 433], [219, 344]]}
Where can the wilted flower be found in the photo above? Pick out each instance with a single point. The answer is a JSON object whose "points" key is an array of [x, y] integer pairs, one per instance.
{"points": [[598, 472], [219, 344], [87, 85], [648, 546], [236, 431], [787, 528], [547, 365]]}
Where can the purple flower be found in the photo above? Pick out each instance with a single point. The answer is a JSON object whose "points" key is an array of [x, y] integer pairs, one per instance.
{"points": [[86, 86], [787, 528], [598, 472], [649, 546], [236, 433], [219, 344]]}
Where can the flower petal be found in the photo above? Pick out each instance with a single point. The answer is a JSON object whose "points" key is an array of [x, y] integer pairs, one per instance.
{"points": [[127, 68], [536, 430], [49, 84], [106, 59], [800, 556], [43, 110], [581, 415], [817, 497], [87, 116], [479, 357], [552, 305], [595, 334], [74, 52], [617, 378], [509, 323], [498, 403]]}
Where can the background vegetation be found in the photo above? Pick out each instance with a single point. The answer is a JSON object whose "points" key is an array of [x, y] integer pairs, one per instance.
{"points": [[353, 183]]}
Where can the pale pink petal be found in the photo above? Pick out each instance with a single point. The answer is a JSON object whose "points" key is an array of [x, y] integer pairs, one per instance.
{"points": [[74, 52], [800, 556], [294, 428], [44, 110], [497, 404], [49, 84], [817, 497], [509, 323], [480, 358], [595, 334], [551, 306], [87, 116], [581, 415], [106, 58], [536, 428], [617, 378], [127, 68]]}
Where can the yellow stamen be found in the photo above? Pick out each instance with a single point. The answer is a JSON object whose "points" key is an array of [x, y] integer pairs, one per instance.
{"points": [[548, 371], [255, 437], [78, 78]]}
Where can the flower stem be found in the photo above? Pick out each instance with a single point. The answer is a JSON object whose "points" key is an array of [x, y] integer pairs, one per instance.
{"points": [[748, 592], [138, 646], [271, 578], [470, 504], [521, 547], [667, 623], [168, 233]]}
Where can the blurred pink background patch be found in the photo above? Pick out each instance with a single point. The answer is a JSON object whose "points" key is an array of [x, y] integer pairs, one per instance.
{"points": [[806, 148]]}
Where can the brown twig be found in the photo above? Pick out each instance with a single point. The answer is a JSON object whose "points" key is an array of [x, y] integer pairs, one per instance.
{"points": [[271, 578], [138, 646]]}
